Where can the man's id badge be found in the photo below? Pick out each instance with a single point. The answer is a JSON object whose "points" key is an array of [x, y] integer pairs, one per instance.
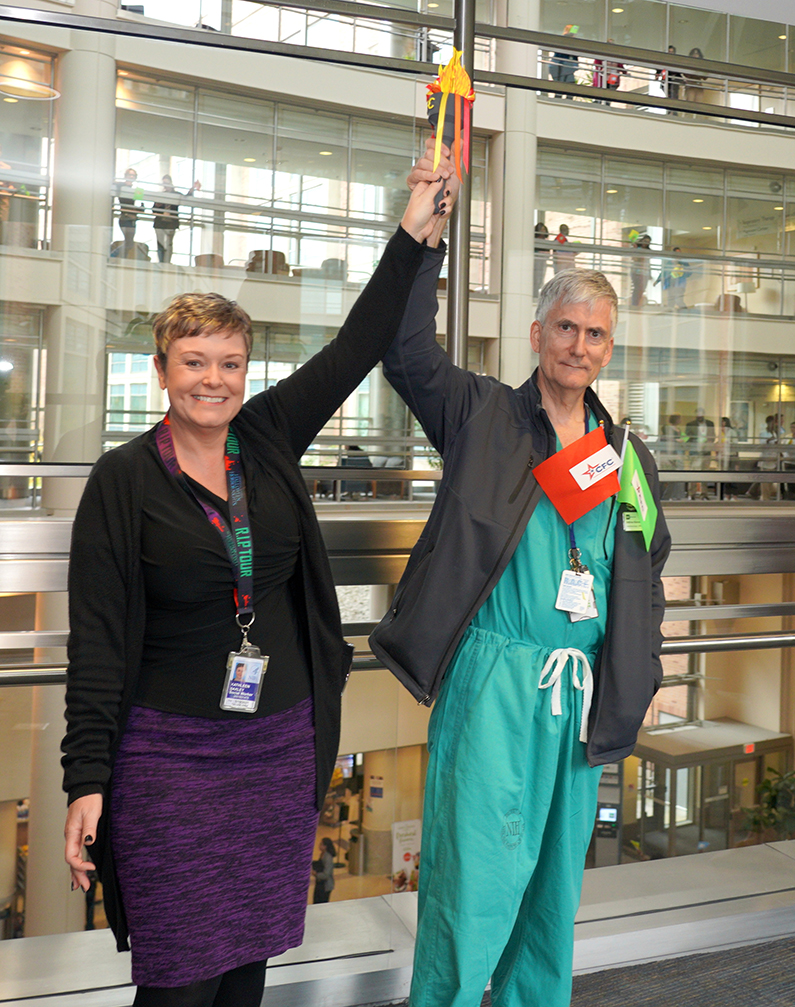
{"points": [[574, 594], [245, 671], [590, 613]]}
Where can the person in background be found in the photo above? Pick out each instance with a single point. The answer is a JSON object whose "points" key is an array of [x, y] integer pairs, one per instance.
{"points": [[694, 82], [167, 218], [7, 189], [727, 456], [672, 456], [128, 212], [671, 80], [197, 796], [700, 440], [673, 277], [563, 65], [771, 435], [324, 871], [640, 271], [788, 464], [562, 260], [607, 74], [541, 257]]}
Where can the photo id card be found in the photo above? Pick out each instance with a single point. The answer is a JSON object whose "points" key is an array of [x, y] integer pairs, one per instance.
{"points": [[574, 594], [590, 613], [245, 672]]}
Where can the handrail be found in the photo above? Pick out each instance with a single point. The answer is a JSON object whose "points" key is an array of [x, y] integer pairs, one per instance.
{"points": [[80, 470], [30, 674]]}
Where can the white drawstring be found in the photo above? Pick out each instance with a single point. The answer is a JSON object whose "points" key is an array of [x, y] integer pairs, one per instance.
{"points": [[559, 659]]}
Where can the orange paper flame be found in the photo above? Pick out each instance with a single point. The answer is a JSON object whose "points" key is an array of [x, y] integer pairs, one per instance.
{"points": [[453, 79]]}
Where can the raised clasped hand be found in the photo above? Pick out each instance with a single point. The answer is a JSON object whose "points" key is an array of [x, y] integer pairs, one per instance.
{"points": [[421, 218]]}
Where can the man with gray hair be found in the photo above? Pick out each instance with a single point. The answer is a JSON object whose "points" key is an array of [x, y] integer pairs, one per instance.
{"points": [[537, 635]]}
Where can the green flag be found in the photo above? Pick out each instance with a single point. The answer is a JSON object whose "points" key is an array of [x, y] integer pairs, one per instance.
{"points": [[636, 494]]}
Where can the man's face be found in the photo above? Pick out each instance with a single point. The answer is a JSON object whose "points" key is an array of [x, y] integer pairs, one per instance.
{"points": [[573, 344]]}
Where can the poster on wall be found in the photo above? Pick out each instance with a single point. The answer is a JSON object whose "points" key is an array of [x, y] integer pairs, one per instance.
{"points": [[376, 787], [406, 841]]}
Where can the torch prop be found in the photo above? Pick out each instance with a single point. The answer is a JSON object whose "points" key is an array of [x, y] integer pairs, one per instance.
{"points": [[450, 99]]}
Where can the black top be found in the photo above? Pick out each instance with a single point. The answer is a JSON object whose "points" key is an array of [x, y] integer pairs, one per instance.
{"points": [[190, 612], [166, 214]]}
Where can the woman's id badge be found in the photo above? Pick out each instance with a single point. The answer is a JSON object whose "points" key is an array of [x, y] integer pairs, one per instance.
{"points": [[574, 594], [245, 671]]}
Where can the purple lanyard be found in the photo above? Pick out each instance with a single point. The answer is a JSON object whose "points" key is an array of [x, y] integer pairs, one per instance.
{"points": [[238, 542]]}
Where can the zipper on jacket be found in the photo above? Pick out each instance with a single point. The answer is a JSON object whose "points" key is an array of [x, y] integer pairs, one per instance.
{"points": [[522, 481], [468, 618]]}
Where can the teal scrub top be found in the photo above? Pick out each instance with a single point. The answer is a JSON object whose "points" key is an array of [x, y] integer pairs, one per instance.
{"points": [[522, 604]]}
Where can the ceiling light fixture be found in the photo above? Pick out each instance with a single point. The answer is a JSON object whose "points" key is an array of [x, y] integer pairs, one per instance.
{"points": [[326, 153], [11, 101], [698, 200], [782, 36], [249, 160], [618, 10], [706, 228], [611, 191], [778, 207], [580, 209], [18, 81]]}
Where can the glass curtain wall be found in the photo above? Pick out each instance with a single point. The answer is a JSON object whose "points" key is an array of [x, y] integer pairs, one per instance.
{"points": [[328, 30], [655, 25], [322, 191]]}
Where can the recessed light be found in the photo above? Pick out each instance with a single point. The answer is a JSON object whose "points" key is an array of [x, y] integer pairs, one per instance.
{"points": [[11, 101], [580, 209], [124, 73], [698, 200], [325, 153], [782, 36], [706, 228], [249, 160], [24, 52], [611, 191], [432, 5], [778, 207], [618, 10]]}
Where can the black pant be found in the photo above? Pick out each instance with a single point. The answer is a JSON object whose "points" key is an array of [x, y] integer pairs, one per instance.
{"points": [[320, 893], [240, 987]]}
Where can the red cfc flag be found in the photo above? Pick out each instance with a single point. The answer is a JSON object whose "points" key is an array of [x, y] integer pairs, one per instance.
{"points": [[581, 476]]}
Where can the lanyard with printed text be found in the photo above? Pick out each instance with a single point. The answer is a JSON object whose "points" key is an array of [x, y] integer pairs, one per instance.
{"points": [[574, 552], [237, 538]]}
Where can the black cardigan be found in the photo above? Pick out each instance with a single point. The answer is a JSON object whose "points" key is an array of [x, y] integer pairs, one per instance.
{"points": [[106, 587]]}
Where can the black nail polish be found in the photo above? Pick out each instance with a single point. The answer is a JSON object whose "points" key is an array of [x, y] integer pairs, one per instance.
{"points": [[88, 839], [442, 206], [74, 887]]}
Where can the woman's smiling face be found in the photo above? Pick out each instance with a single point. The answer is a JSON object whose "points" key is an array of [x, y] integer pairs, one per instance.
{"points": [[205, 377]]}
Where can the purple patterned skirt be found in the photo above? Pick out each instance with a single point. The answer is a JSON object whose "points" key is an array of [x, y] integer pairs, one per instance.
{"points": [[213, 828]]}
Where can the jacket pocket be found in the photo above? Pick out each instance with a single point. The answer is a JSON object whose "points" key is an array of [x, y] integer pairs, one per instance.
{"points": [[412, 585]]}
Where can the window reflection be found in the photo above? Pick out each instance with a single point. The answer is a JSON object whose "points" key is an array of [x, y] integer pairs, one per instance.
{"points": [[25, 150]]}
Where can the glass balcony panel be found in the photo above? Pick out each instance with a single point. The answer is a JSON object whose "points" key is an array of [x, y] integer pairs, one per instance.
{"points": [[640, 23], [753, 42], [691, 31], [588, 16]]}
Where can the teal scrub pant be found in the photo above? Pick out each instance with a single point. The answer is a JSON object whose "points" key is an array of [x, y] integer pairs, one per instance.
{"points": [[510, 804]]}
